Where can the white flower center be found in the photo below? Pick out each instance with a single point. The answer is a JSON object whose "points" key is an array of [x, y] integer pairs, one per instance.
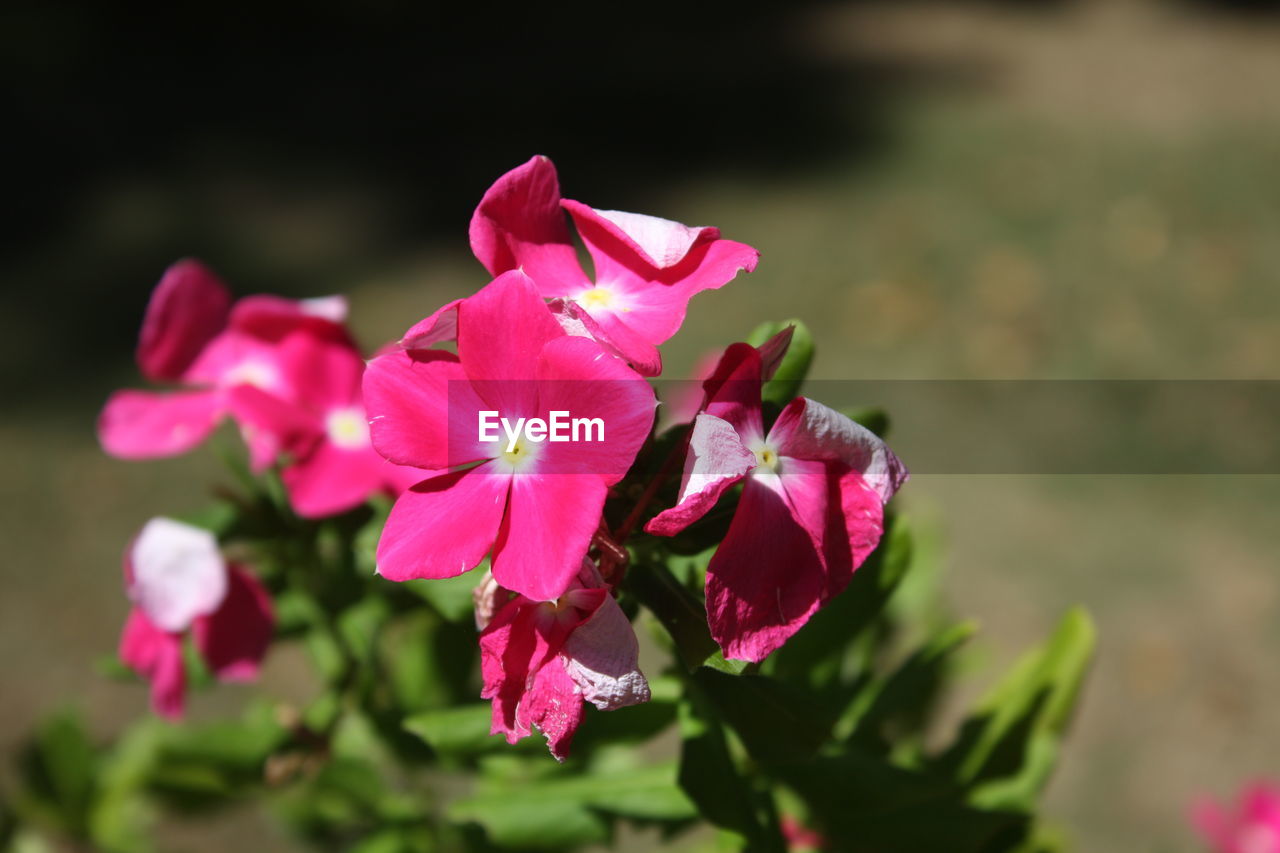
{"points": [[522, 454], [347, 428]]}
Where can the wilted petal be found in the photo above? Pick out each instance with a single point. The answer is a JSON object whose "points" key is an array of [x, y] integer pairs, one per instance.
{"points": [[234, 639], [554, 706], [602, 658], [176, 573]]}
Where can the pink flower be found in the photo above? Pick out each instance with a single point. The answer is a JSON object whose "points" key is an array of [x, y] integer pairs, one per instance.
{"points": [[800, 837], [646, 269], [541, 660], [1253, 826], [178, 581], [535, 504], [811, 508], [322, 427], [194, 337]]}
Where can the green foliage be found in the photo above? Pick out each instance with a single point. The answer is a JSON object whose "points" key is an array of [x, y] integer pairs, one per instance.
{"points": [[392, 751]]}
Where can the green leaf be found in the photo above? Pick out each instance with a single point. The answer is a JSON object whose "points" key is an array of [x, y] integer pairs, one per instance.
{"points": [[714, 783], [677, 609], [790, 375], [58, 767], [451, 597], [777, 722], [1006, 749], [459, 731], [563, 811]]}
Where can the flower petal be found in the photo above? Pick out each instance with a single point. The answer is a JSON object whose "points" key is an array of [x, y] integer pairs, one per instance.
{"points": [[439, 327], [330, 479], [809, 430], [501, 331], [187, 309], [234, 639], [443, 526], [577, 378], [272, 318], [176, 573], [519, 223], [733, 391], [554, 706], [156, 655], [422, 410], [546, 532], [660, 242], [602, 658], [765, 580], [149, 424], [716, 460], [575, 320]]}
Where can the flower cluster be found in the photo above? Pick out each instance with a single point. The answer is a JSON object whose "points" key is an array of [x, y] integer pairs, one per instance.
{"points": [[543, 342]]}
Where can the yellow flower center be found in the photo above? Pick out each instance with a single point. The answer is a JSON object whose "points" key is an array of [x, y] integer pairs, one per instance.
{"points": [[596, 297], [347, 428]]}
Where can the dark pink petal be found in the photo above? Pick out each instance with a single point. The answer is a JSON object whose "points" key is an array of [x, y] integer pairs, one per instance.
{"points": [[272, 318], [810, 430], [511, 651], [772, 352], [320, 374], [234, 639], [331, 480], [575, 320], [187, 309], [519, 224], [155, 655], [733, 391], [854, 532], [422, 410], [577, 377], [601, 656], [236, 358], [554, 706], [501, 331], [148, 424], [175, 573], [716, 460], [631, 345], [440, 327], [1213, 823], [444, 526], [765, 580], [546, 532], [262, 416]]}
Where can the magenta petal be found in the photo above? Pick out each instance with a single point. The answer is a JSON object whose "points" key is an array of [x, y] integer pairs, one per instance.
{"points": [[331, 480], [234, 639], [149, 424], [552, 704], [272, 318], [443, 526], [765, 580], [576, 320], [156, 655], [546, 532], [733, 391], [422, 410], [716, 460], [602, 658], [187, 309], [809, 430], [519, 224], [439, 327], [575, 376], [501, 330]]}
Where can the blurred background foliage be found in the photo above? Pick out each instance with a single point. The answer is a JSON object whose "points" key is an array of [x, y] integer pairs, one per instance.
{"points": [[941, 190]]}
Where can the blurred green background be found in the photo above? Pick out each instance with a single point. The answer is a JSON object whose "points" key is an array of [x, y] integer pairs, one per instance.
{"points": [[941, 190]]}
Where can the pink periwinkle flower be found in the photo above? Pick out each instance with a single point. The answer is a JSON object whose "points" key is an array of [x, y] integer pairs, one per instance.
{"points": [[811, 508], [192, 336], [322, 427], [541, 660], [178, 581], [800, 838], [646, 268], [534, 504], [1251, 826]]}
